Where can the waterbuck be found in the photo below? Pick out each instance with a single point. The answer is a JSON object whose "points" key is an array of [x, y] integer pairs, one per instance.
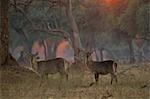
{"points": [[102, 67], [52, 66]]}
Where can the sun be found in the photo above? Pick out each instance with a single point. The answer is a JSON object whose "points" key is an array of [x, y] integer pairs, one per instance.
{"points": [[110, 2]]}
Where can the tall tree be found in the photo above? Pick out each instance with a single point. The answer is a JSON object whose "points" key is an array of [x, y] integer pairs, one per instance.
{"points": [[132, 23], [4, 31], [6, 58], [75, 31]]}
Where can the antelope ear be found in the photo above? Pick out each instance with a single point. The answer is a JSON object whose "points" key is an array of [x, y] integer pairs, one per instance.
{"points": [[36, 54], [26, 53], [91, 52]]}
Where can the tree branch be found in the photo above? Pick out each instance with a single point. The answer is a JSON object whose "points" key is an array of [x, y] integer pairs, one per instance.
{"points": [[54, 32]]}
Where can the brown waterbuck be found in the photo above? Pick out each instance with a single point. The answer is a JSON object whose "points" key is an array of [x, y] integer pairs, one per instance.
{"points": [[101, 67], [52, 66]]}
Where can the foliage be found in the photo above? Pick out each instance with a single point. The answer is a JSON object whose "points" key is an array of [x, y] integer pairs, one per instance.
{"points": [[38, 14], [127, 19], [142, 19], [96, 21], [136, 18]]}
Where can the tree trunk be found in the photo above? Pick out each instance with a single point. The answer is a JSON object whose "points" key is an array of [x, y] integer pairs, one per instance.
{"points": [[93, 42], [45, 49], [101, 54], [6, 58], [4, 31], [75, 32], [52, 50], [132, 60]]}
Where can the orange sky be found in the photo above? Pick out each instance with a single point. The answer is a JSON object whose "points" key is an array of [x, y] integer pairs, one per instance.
{"points": [[112, 2], [117, 6], [61, 48], [109, 1], [64, 50]]}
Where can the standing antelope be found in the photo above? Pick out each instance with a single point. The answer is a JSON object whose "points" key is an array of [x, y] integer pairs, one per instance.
{"points": [[53, 66], [103, 67]]}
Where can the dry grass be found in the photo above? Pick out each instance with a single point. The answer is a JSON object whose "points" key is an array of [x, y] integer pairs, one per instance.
{"points": [[133, 84]]}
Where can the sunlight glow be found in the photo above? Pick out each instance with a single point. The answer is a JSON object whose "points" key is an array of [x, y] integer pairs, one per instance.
{"points": [[110, 2], [64, 50]]}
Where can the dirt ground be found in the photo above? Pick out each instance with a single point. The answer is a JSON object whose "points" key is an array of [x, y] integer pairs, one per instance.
{"points": [[133, 83]]}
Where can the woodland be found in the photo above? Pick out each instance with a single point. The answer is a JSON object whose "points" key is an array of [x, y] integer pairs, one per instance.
{"points": [[112, 29]]}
